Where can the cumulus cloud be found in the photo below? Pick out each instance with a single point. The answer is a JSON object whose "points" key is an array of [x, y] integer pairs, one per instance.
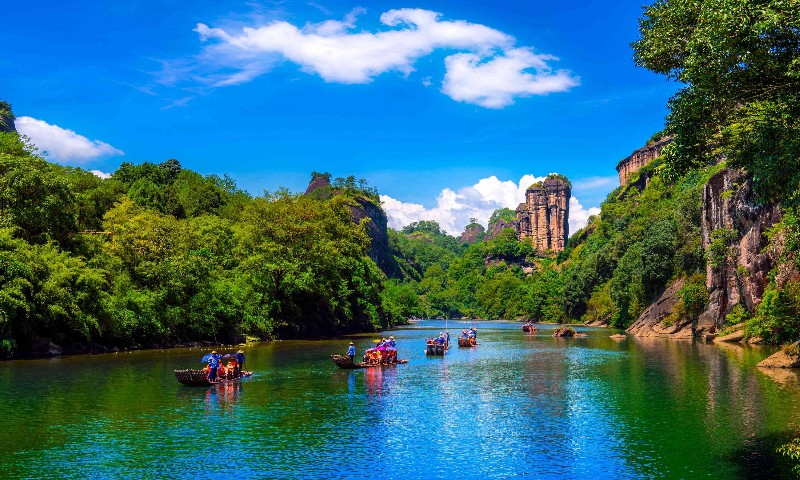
{"points": [[61, 144], [579, 216], [494, 83], [491, 74], [455, 208], [101, 174]]}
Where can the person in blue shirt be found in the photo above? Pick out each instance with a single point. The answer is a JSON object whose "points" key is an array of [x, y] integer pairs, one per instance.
{"points": [[213, 365], [392, 342], [239, 362], [351, 352]]}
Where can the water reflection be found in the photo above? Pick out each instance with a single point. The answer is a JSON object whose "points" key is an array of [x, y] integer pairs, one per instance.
{"points": [[516, 405], [223, 396]]}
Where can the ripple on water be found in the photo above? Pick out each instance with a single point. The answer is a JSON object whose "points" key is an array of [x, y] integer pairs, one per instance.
{"points": [[517, 405]]}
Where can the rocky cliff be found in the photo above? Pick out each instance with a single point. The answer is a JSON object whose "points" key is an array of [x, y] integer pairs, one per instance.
{"points": [[472, 233], [544, 217], [736, 271], [498, 227], [639, 158], [361, 207], [379, 250], [6, 118], [741, 276]]}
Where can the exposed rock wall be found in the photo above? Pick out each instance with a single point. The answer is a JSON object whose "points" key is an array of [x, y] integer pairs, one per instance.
{"points": [[652, 322], [639, 158], [362, 208], [379, 250], [6, 118], [498, 227], [471, 234], [544, 217], [729, 202]]}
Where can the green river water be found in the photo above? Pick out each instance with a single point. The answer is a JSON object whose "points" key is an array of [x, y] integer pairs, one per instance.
{"points": [[515, 405]]}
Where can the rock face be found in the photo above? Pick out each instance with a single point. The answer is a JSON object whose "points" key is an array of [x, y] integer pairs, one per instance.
{"points": [[729, 203], [651, 323], [471, 234], [544, 216], [639, 158], [740, 278], [379, 250], [498, 227], [377, 222], [6, 118]]}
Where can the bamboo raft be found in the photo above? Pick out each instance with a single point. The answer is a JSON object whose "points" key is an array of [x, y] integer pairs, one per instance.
{"points": [[343, 361], [528, 328], [467, 342], [435, 348], [200, 377]]}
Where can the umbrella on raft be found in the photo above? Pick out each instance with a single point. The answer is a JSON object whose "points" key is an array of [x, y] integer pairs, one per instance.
{"points": [[207, 357]]}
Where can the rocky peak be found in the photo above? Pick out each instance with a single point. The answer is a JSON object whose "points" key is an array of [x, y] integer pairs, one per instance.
{"points": [[361, 208], [6, 118], [639, 158], [472, 233], [544, 217], [318, 181]]}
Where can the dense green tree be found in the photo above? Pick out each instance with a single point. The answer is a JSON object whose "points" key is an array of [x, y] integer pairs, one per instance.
{"points": [[740, 62], [36, 199]]}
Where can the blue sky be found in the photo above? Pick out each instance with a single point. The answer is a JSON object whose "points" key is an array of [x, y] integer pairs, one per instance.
{"points": [[427, 108]]}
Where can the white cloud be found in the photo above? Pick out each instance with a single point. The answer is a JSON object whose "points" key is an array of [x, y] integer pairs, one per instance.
{"points": [[579, 216], [492, 74], [454, 209], [61, 144], [495, 82], [101, 174]]}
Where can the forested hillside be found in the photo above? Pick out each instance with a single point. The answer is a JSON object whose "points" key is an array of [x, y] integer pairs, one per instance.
{"points": [[157, 255]]}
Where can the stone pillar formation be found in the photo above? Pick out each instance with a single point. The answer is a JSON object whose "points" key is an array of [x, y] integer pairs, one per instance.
{"points": [[544, 217]]}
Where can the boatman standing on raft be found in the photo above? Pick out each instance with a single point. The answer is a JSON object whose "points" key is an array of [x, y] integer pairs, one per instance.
{"points": [[351, 352], [240, 361], [213, 365]]}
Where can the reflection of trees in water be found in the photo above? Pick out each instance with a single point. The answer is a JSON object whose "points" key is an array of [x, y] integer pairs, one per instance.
{"points": [[688, 385], [223, 396]]}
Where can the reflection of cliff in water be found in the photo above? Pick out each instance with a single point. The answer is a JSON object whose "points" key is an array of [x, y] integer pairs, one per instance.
{"points": [[703, 384]]}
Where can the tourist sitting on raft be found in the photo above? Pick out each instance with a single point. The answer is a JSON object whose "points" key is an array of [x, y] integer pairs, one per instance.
{"points": [[384, 353], [440, 340], [218, 371]]}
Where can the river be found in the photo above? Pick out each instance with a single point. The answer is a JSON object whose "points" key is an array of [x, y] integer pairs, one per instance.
{"points": [[515, 405]]}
